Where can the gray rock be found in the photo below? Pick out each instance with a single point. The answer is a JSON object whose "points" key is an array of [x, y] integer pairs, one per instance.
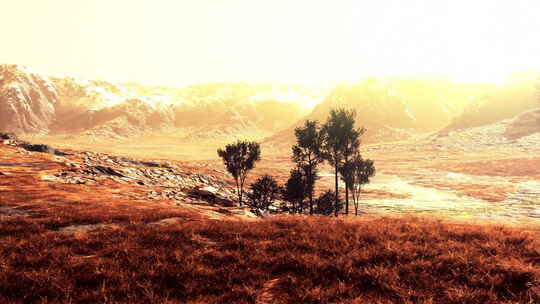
{"points": [[8, 136]]}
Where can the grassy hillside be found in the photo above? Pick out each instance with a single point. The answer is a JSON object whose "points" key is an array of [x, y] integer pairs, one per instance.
{"points": [[106, 242], [282, 260]]}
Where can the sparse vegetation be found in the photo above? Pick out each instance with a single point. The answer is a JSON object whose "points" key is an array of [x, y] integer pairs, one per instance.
{"points": [[240, 158], [148, 252]]}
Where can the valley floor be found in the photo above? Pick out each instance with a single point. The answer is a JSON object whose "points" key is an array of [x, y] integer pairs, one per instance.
{"points": [[463, 176], [89, 227]]}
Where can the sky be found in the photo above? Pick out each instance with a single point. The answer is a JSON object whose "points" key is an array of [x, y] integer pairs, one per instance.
{"points": [[176, 42]]}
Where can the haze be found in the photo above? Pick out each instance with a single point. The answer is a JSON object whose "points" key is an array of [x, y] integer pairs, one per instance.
{"points": [[307, 42]]}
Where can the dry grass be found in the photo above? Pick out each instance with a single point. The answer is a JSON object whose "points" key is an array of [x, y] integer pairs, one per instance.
{"points": [[281, 260], [194, 259]]}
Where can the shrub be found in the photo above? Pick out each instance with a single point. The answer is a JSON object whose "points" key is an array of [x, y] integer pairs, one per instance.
{"points": [[264, 193], [325, 204]]}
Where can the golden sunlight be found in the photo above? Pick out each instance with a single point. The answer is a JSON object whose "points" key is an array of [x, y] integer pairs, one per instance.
{"points": [[309, 42], [270, 151]]}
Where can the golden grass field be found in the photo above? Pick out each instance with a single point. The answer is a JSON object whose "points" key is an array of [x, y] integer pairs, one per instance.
{"points": [[104, 243]]}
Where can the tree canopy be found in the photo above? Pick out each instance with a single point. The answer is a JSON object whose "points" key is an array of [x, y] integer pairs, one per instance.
{"points": [[307, 154], [239, 158], [341, 140]]}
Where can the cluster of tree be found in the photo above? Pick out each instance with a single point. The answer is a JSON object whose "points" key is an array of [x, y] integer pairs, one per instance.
{"points": [[337, 142]]}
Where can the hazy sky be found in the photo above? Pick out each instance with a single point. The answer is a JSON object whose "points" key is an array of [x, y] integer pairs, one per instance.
{"points": [[186, 41]]}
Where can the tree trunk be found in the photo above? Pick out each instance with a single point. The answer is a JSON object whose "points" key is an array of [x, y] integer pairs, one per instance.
{"points": [[241, 195], [358, 201], [241, 189], [311, 189], [336, 205], [353, 195], [238, 192], [346, 199], [346, 190], [311, 203]]}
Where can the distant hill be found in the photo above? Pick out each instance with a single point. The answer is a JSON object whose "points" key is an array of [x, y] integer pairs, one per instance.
{"points": [[395, 108], [525, 124], [504, 102], [390, 108]]}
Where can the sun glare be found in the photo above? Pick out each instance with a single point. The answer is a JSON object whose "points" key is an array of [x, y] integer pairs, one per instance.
{"points": [[307, 42]]}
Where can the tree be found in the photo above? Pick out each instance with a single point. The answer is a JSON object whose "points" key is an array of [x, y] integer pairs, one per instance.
{"points": [[264, 193], [296, 190], [240, 158], [346, 171], [307, 154], [355, 173], [340, 141], [351, 147], [325, 204]]}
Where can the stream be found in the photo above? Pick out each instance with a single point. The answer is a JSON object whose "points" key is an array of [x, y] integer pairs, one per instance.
{"points": [[520, 207]]}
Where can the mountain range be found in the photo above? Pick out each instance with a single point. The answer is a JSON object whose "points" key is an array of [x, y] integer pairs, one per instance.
{"points": [[389, 108]]}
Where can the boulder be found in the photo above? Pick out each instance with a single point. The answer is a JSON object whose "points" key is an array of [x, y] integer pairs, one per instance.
{"points": [[106, 171], [207, 190], [38, 148], [8, 136], [212, 195]]}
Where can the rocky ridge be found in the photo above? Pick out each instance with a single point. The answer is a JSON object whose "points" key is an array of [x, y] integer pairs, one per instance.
{"points": [[160, 180]]}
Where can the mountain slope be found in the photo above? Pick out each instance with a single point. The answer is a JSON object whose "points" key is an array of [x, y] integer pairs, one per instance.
{"points": [[32, 103], [501, 103], [393, 109], [27, 100]]}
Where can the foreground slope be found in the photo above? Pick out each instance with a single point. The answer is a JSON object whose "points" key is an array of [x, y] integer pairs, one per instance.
{"points": [[89, 227]]}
